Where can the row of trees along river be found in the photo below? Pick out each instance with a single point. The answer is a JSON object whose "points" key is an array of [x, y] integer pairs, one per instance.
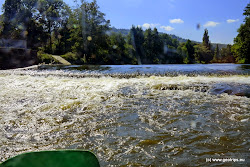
{"points": [[82, 35]]}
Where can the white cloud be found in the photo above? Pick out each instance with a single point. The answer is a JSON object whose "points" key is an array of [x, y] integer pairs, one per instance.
{"points": [[177, 21], [167, 28], [232, 21], [147, 25], [211, 24]]}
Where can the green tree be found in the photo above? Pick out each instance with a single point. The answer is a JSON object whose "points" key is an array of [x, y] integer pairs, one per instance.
{"points": [[241, 47], [75, 29], [168, 41], [190, 51], [89, 32], [157, 47], [186, 51], [137, 40], [202, 54], [172, 55], [51, 13], [32, 30], [183, 52], [148, 46], [61, 36], [226, 56], [205, 40], [130, 48], [11, 19], [153, 46], [1, 24], [118, 52], [216, 58], [20, 21]]}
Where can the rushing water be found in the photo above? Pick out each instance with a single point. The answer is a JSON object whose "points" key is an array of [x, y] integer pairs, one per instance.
{"points": [[162, 115]]}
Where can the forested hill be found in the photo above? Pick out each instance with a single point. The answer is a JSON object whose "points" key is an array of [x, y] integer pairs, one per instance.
{"points": [[125, 32]]}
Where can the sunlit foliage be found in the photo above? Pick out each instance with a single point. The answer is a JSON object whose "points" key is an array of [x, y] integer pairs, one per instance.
{"points": [[241, 47]]}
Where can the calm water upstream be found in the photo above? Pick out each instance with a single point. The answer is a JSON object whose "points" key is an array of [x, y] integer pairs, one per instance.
{"points": [[158, 115]]}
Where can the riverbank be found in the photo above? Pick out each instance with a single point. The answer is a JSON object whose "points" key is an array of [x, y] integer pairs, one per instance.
{"points": [[11, 58]]}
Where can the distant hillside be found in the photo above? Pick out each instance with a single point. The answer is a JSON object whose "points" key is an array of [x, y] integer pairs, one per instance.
{"points": [[122, 31], [126, 32], [181, 40], [220, 45]]}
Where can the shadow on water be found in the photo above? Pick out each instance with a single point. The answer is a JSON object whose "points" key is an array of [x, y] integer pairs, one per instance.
{"points": [[74, 67], [244, 67]]}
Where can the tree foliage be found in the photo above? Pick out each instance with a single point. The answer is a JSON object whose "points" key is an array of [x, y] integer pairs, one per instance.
{"points": [[152, 46], [216, 54], [52, 14], [11, 19], [189, 52], [241, 47], [88, 32], [203, 52], [137, 40], [82, 35], [205, 40]]}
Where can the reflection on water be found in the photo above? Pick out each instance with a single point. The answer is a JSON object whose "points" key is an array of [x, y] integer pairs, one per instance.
{"points": [[245, 67], [73, 67], [137, 121], [198, 69]]}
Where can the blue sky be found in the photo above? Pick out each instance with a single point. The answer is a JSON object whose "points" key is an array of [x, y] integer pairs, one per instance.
{"points": [[222, 18]]}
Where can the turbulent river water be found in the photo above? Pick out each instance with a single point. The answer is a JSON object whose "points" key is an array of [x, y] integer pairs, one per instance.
{"points": [[148, 115]]}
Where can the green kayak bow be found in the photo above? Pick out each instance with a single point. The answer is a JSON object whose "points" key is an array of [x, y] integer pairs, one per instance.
{"points": [[64, 158]]}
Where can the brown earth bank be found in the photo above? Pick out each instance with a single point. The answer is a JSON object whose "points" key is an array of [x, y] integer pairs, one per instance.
{"points": [[17, 57]]}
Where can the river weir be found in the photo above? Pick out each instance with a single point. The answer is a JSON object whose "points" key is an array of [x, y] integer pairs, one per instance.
{"points": [[147, 115]]}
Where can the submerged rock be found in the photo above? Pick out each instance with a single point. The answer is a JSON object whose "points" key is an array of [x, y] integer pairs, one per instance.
{"points": [[231, 89], [216, 89]]}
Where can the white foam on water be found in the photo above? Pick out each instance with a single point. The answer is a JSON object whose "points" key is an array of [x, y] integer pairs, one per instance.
{"points": [[121, 120]]}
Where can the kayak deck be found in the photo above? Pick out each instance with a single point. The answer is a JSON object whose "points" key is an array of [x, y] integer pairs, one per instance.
{"points": [[65, 158]]}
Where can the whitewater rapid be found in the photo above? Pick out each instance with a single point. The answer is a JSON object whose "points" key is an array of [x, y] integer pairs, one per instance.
{"points": [[140, 120]]}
